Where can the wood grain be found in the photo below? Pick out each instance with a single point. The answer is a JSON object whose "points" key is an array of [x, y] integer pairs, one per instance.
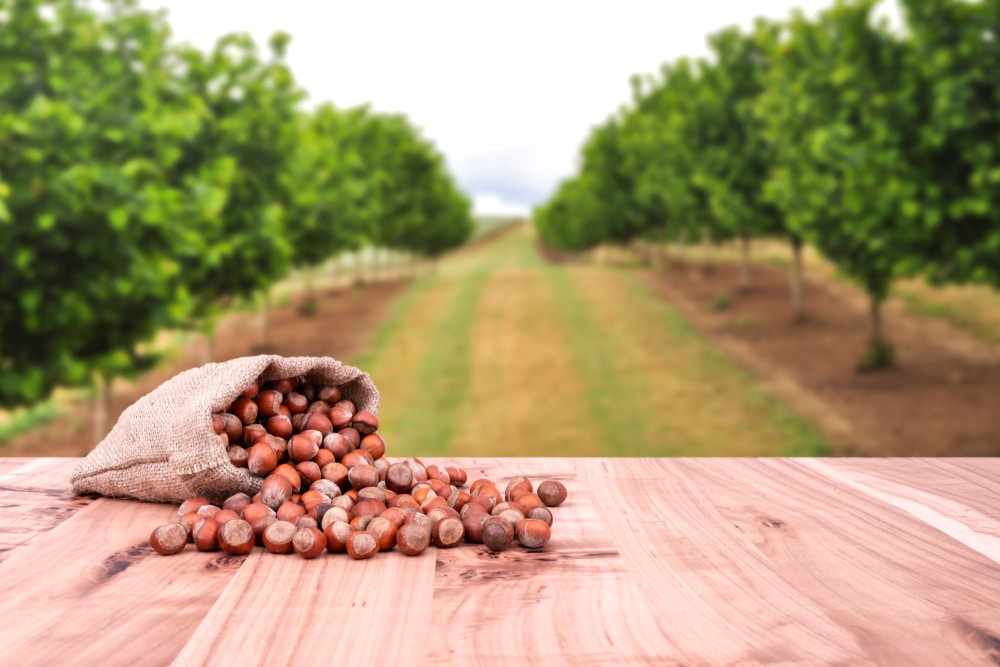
{"points": [[35, 497], [652, 561]]}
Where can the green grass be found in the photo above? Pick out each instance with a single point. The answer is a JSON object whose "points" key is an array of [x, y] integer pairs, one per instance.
{"points": [[25, 419], [650, 385], [971, 320]]}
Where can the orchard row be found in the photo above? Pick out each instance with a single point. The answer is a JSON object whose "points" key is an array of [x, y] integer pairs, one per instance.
{"points": [[146, 184], [878, 146]]}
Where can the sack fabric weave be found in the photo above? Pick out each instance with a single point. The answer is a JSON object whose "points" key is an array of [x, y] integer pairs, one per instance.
{"points": [[163, 447]]}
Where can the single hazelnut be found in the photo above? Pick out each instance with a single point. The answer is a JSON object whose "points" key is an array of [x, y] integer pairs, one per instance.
{"points": [[328, 393], [337, 533], [447, 532], [365, 422], [245, 410], [206, 534], [497, 533], [238, 456], [339, 417], [169, 539], [361, 544], [278, 537], [279, 425], [374, 444], [268, 402], [296, 402], [533, 533], [413, 539], [192, 504], [308, 542], [553, 493], [361, 476], [261, 459], [384, 531], [236, 537], [318, 421], [275, 490]]}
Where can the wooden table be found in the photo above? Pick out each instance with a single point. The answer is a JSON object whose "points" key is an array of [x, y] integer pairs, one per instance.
{"points": [[652, 561]]}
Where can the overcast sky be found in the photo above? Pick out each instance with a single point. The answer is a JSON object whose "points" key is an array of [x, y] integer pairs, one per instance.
{"points": [[506, 91]]}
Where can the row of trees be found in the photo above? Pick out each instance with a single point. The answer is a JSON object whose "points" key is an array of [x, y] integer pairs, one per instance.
{"points": [[879, 147], [145, 184]]}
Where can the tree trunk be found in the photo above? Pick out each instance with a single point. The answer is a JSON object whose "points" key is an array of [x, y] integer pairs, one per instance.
{"points": [[102, 406], [875, 314], [681, 241], [706, 245], [262, 318], [745, 261], [797, 278], [207, 347]]}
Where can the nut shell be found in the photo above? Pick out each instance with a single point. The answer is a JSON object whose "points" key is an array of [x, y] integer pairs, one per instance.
{"points": [[169, 539]]}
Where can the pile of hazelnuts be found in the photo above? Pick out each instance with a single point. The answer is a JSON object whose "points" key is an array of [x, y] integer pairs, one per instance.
{"points": [[327, 486]]}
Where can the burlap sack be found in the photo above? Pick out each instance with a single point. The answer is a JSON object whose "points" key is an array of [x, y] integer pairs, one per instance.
{"points": [[163, 448]]}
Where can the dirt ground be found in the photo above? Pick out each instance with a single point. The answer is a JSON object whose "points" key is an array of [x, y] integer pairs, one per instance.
{"points": [[341, 327], [942, 398]]}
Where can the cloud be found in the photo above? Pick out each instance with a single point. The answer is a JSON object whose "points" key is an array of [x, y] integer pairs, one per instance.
{"points": [[507, 92], [490, 204]]}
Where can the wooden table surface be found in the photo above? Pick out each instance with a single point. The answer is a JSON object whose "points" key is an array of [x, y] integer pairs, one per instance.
{"points": [[652, 561]]}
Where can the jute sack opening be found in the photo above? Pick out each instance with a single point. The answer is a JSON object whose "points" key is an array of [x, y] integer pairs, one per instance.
{"points": [[163, 447]]}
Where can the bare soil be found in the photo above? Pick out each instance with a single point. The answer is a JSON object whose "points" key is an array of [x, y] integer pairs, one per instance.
{"points": [[941, 399], [341, 327]]}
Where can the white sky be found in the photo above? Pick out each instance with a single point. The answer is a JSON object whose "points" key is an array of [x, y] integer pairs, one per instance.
{"points": [[506, 91]]}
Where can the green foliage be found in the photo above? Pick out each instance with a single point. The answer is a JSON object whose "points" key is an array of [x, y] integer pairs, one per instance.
{"points": [[144, 185], [880, 148], [722, 301]]}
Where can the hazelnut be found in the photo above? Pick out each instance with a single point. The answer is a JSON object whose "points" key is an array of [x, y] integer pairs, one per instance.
{"points": [[399, 477], [328, 393], [268, 403], [318, 421], [541, 513], [374, 444], [279, 425], [206, 534], [553, 493], [245, 410], [275, 490], [361, 544], [296, 402], [365, 422], [237, 456], [237, 537], [169, 539], [361, 476], [533, 533], [340, 418], [278, 537], [384, 531], [261, 459], [192, 504], [413, 539], [447, 532], [308, 542], [497, 533], [304, 446], [337, 533]]}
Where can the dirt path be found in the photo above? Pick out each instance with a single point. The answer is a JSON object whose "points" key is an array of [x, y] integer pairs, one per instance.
{"points": [[943, 399]]}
